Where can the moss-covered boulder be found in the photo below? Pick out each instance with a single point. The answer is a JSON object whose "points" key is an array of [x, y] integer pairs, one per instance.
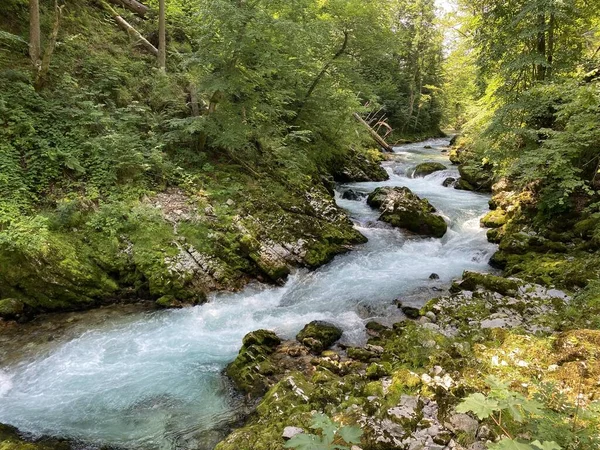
{"points": [[475, 176], [319, 335], [11, 308], [357, 166], [403, 209], [251, 368], [10, 439], [494, 219], [427, 168], [471, 281]]}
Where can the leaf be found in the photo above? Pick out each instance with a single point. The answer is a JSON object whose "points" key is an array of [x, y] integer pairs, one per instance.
{"points": [[326, 425], [351, 435], [305, 441], [510, 444], [532, 406], [547, 445], [482, 406], [496, 384]]}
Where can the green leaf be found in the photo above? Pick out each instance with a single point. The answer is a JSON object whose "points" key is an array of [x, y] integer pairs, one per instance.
{"points": [[305, 441], [496, 384], [326, 425], [482, 406], [510, 444], [547, 445], [351, 435], [532, 406]]}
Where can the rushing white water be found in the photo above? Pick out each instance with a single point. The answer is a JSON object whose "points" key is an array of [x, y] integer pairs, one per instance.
{"points": [[153, 380]]}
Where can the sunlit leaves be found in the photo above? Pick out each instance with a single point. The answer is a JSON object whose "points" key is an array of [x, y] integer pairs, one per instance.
{"points": [[330, 436]]}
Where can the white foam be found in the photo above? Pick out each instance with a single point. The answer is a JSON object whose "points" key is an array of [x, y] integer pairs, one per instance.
{"points": [[5, 383]]}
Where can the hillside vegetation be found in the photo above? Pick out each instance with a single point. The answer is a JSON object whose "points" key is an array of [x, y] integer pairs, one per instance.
{"points": [[120, 179]]}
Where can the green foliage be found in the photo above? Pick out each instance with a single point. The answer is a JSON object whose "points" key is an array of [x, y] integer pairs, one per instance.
{"points": [[544, 416], [330, 436]]}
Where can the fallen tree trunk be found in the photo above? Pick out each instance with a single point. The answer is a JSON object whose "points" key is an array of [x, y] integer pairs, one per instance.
{"points": [[129, 29], [374, 134], [132, 5]]}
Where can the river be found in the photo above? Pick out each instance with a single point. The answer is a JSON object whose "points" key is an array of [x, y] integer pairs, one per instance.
{"points": [[153, 380]]}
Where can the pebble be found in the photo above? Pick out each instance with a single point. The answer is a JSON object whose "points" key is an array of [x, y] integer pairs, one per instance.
{"points": [[290, 432]]}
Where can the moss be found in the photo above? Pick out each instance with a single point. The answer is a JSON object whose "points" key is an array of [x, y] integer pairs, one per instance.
{"points": [[494, 219], [427, 168], [168, 301], [495, 235], [476, 175], [11, 308], [587, 227], [473, 280], [251, 367], [401, 208], [357, 166], [319, 335], [361, 354], [379, 370], [11, 440], [571, 270]]}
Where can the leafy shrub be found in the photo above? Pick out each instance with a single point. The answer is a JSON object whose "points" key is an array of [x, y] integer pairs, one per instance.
{"points": [[331, 436]]}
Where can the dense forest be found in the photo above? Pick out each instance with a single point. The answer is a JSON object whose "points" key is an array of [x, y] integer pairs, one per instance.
{"points": [[255, 103], [156, 153]]}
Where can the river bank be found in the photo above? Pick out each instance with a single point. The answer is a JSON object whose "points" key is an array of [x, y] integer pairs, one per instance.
{"points": [[353, 289], [399, 380]]}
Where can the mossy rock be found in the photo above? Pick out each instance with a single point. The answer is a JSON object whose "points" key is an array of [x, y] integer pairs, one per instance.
{"points": [[454, 156], [427, 168], [473, 280], [168, 301], [251, 368], [463, 185], [495, 235], [319, 335], [358, 166], [516, 243], [403, 209], [379, 370], [11, 308], [361, 354], [494, 219], [587, 227], [477, 176], [10, 439]]}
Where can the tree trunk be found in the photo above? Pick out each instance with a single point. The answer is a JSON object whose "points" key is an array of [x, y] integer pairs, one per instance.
{"points": [[373, 133], [162, 36], [132, 5], [321, 74], [550, 57], [49, 50], [35, 46], [541, 48], [129, 29]]}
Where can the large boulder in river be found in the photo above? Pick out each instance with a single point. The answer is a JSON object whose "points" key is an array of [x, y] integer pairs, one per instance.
{"points": [[475, 177], [319, 335], [252, 366], [401, 208], [427, 168]]}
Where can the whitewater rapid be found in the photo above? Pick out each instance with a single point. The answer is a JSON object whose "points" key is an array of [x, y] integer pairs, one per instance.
{"points": [[153, 380]]}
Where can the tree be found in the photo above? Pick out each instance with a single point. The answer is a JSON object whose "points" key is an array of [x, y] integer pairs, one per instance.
{"points": [[35, 46], [162, 36], [41, 63]]}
